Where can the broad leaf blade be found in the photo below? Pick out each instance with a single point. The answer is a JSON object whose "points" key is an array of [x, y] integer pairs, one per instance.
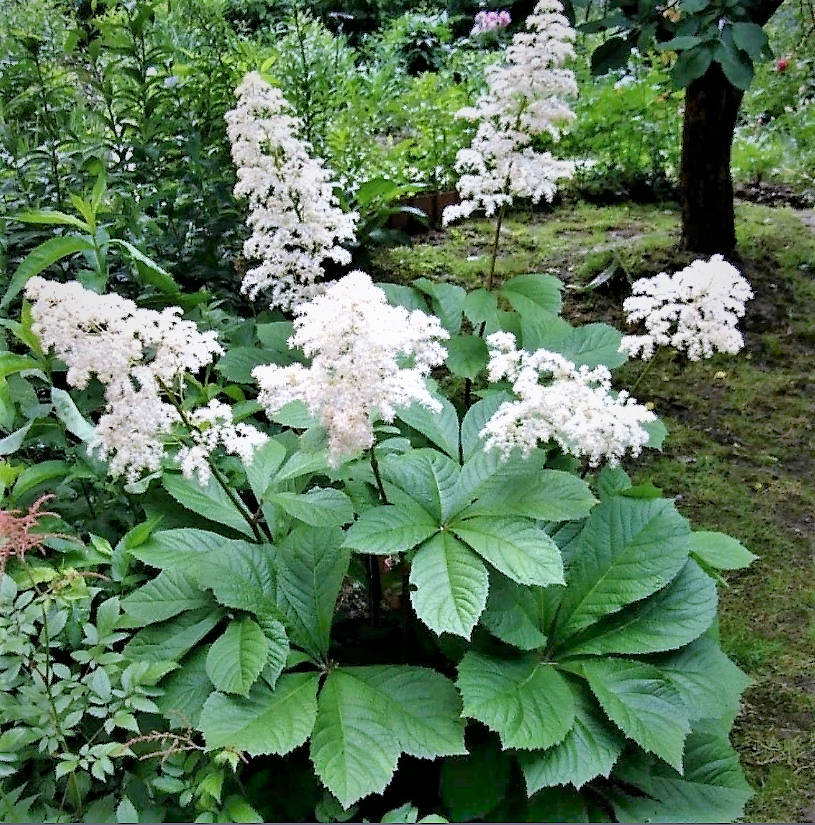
{"points": [[589, 749], [514, 613], [210, 501], [236, 659], [422, 706], [318, 507], [171, 640], [720, 550], [526, 701], [185, 690], [670, 618], [170, 593], [515, 547], [628, 549], [451, 586], [441, 428], [353, 749], [643, 704], [312, 563], [181, 549], [386, 530], [267, 721]]}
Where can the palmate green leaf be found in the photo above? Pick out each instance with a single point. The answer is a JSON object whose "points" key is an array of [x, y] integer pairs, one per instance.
{"points": [[210, 501], [319, 507], [170, 593], [181, 549], [588, 750], [670, 618], [238, 656], [533, 292], [279, 649], [242, 577], [185, 690], [720, 550], [447, 302], [439, 427], [353, 748], [515, 547], [467, 355], [706, 680], [387, 529], [266, 721], [172, 639], [311, 564], [422, 707], [237, 364], [451, 585], [526, 701], [711, 788], [628, 549], [551, 495], [643, 704], [427, 476], [514, 613]]}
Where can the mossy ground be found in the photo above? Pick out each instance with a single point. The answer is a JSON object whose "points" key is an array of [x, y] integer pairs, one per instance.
{"points": [[740, 457]]}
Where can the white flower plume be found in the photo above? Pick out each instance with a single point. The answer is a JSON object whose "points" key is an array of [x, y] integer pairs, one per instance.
{"points": [[136, 353], [296, 223], [525, 98], [368, 359], [696, 310], [573, 406]]}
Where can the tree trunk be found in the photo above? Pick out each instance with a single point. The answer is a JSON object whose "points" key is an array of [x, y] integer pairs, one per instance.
{"points": [[708, 220]]}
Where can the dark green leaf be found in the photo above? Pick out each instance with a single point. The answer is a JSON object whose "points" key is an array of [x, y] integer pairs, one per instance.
{"points": [[238, 656], [613, 54], [170, 593], [467, 355], [210, 501]]}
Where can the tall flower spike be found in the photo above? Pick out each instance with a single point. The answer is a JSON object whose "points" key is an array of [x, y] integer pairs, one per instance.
{"points": [[369, 358], [573, 406], [696, 310], [296, 223], [525, 98]]}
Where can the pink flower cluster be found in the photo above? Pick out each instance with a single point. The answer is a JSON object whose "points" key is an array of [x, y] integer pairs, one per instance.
{"points": [[487, 21]]}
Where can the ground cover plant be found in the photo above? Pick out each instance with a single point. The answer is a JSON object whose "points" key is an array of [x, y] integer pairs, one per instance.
{"points": [[271, 524]]}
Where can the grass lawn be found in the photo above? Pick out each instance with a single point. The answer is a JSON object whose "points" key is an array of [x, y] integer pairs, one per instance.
{"points": [[740, 456]]}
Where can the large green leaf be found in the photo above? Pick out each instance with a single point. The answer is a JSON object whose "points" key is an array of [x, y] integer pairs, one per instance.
{"points": [[526, 701], [311, 564], [751, 38], [353, 747], [450, 584], [387, 529], [551, 495], [170, 593], [319, 507], [514, 613], [237, 657], [169, 641], [672, 617], [447, 302], [427, 476], [588, 750], [593, 345], [720, 550], [210, 501], [628, 549], [279, 648], [422, 707], [266, 721], [181, 549], [533, 292], [467, 355], [711, 788], [52, 217], [265, 462], [707, 681], [41, 258], [185, 690], [243, 577], [149, 271], [441, 428], [515, 547], [474, 422], [68, 413], [641, 701], [237, 364]]}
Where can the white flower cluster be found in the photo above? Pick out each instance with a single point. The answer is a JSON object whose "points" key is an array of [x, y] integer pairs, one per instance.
{"points": [[295, 219], [215, 426], [696, 309], [524, 99], [574, 407], [368, 359], [136, 353]]}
